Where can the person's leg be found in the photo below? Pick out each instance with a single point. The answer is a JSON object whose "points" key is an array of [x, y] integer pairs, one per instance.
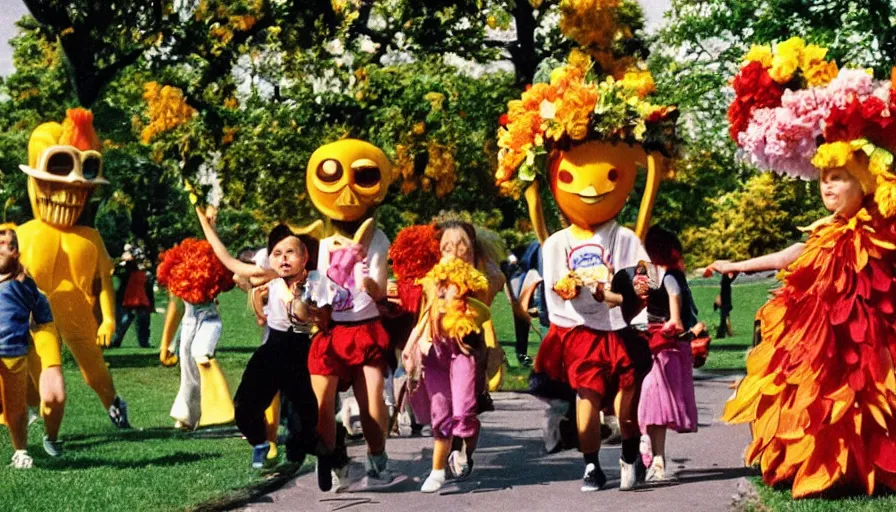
{"points": [[143, 333], [466, 425], [324, 387], [657, 470], [187, 407], [295, 383], [256, 390], [124, 323], [368, 387], [13, 385], [45, 365], [438, 390], [588, 407]]}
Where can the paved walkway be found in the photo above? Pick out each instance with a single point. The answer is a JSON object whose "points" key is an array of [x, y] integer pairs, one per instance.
{"points": [[513, 474]]}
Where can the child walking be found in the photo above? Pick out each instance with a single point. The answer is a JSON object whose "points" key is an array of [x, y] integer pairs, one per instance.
{"points": [[443, 348], [667, 393], [281, 363], [21, 304]]}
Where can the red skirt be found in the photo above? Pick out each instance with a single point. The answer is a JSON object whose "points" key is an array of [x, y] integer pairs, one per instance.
{"points": [[585, 359], [346, 347]]}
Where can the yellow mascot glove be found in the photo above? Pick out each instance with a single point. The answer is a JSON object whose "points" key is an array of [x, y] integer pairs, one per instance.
{"points": [[105, 333], [173, 315]]}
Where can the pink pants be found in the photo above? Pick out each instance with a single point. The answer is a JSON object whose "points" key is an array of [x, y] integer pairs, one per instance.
{"points": [[449, 381]]}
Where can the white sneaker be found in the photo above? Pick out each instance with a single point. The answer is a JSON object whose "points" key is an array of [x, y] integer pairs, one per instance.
{"points": [[434, 481], [21, 460], [627, 476], [594, 479], [459, 465], [657, 470]]}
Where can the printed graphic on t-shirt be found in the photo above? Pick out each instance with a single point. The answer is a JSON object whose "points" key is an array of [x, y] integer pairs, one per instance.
{"points": [[591, 263]]}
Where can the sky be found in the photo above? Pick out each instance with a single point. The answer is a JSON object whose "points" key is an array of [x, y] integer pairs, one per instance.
{"points": [[12, 10]]}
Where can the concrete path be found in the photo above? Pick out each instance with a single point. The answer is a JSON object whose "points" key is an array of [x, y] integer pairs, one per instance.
{"points": [[513, 474]]}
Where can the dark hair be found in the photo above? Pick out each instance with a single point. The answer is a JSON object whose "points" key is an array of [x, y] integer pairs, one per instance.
{"points": [[14, 238], [663, 247], [466, 227], [309, 243], [277, 235]]}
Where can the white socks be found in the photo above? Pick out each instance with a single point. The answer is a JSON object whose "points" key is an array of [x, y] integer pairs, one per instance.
{"points": [[434, 481]]}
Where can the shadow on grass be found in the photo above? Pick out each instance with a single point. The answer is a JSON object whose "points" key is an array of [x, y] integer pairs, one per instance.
{"points": [[145, 360], [174, 459], [85, 441]]}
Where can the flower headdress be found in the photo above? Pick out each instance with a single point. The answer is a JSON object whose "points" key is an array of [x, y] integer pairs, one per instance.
{"points": [[796, 113], [192, 272], [598, 95]]}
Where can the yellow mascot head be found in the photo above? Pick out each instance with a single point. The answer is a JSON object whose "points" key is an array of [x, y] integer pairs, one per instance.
{"points": [[64, 166], [347, 179]]}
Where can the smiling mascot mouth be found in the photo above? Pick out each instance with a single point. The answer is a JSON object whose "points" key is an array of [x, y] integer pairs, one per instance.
{"points": [[587, 199]]}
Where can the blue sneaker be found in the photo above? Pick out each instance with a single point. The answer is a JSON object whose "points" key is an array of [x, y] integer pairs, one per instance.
{"points": [[260, 454]]}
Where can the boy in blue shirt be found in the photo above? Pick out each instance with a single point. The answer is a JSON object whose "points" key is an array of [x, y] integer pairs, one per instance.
{"points": [[21, 305]]}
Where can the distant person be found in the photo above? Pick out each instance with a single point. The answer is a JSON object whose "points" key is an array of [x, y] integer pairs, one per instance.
{"points": [[135, 296]]}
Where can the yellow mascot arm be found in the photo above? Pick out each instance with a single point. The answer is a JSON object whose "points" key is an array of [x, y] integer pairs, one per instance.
{"points": [[45, 334], [536, 212], [656, 169], [107, 306], [173, 316]]}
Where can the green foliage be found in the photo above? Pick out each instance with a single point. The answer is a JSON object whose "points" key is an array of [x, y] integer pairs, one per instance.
{"points": [[701, 47], [762, 217]]}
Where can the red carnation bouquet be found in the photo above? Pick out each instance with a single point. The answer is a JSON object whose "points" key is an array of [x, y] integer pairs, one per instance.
{"points": [[192, 272], [414, 252]]}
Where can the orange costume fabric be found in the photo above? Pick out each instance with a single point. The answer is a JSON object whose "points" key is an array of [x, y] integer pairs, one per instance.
{"points": [[820, 389]]}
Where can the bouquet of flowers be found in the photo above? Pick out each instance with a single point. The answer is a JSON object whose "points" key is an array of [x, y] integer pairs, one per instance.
{"points": [[463, 280]]}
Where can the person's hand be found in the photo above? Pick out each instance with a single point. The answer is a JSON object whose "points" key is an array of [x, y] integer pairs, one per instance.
{"points": [[211, 213], [105, 333], [168, 359], [722, 267], [673, 327], [641, 283], [321, 317], [598, 292]]}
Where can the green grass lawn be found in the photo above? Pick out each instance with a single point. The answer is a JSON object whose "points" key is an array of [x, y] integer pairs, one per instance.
{"points": [[154, 467]]}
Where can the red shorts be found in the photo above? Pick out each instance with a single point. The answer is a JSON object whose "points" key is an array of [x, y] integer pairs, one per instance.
{"points": [[585, 359], [346, 347]]}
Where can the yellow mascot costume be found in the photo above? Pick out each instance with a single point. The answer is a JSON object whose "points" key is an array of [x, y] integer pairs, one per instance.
{"points": [[585, 134], [69, 262]]}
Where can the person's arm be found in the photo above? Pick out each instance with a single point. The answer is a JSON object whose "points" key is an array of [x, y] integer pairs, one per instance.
{"points": [[259, 297], [774, 261], [107, 298], [257, 275]]}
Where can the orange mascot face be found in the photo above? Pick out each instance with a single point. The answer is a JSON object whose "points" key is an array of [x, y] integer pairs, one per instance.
{"points": [[592, 181], [347, 179]]}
